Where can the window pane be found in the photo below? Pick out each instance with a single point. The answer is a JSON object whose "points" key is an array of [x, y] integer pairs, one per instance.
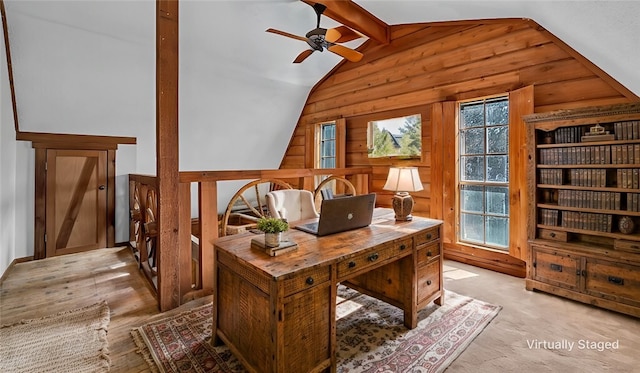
{"points": [[472, 228], [497, 112], [472, 141], [472, 115], [498, 168], [497, 200], [471, 197], [328, 131], [472, 168], [497, 140], [401, 136], [498, 231]]}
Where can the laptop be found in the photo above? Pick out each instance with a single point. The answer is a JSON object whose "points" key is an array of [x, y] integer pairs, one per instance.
{"points": [[342, 214]]}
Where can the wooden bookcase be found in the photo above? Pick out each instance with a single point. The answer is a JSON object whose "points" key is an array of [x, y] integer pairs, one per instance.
{"points": [[584, 232]]}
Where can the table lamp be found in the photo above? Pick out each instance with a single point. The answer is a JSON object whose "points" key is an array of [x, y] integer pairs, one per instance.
{"points": [[403, 180]]}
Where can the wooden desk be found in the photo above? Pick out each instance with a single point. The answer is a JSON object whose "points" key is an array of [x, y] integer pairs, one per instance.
{"points": [[277, 314]]}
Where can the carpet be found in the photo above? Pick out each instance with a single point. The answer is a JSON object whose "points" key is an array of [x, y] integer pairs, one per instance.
{"points": [[71, 341], [370, 337]]}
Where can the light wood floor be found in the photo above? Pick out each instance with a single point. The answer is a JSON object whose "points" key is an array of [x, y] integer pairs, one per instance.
{"points": [[43, 287]]}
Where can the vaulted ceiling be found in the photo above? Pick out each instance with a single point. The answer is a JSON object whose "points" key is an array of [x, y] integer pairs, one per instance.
{"points": [[89, 66]]}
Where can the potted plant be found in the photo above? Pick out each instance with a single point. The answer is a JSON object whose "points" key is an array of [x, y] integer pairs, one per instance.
{"points": [[272, 228]]}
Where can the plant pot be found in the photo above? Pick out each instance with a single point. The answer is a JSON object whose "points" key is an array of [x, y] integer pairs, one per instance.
{"points": [[272, 239]]}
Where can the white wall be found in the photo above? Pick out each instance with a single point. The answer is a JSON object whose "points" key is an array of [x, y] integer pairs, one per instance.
{"points": [[7, 168]]}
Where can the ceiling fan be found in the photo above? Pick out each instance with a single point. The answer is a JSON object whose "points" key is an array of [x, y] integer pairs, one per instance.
{"points": [[321, 38]]}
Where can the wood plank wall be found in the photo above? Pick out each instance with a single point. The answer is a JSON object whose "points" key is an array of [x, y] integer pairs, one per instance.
{"points": [[427, 64]]}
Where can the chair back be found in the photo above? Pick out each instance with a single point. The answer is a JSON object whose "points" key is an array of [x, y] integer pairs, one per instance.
{"points": [[291, 204]]}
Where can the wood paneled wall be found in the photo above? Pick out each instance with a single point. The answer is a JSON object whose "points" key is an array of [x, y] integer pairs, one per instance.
{"points": [[434, 63]]}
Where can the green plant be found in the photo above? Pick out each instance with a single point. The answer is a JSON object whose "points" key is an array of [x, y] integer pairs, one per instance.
{"points": [[272, 225]]}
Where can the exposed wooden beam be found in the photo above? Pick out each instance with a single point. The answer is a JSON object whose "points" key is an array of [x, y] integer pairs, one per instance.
{"points": [[167, 154], [355, 17], [5, 30]]}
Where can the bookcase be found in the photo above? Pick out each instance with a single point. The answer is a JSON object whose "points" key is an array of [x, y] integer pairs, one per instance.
{"points": [[584, 231]]}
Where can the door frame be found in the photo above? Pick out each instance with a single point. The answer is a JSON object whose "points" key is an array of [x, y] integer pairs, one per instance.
{"points": [[70, 142]]}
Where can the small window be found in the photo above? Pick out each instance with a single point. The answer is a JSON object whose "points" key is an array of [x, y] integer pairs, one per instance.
{"points": [[395, 137], [327, 146]]}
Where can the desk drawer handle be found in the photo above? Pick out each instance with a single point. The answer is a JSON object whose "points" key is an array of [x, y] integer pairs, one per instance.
{"points": [[373, 257], [352, 264], [403, 246], [552, 234], [556, 267], [309, 281], [428, 282], [429, 253], [428, 236], [616, 280]]}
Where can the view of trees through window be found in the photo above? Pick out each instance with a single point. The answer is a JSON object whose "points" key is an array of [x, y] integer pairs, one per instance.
{"points": [[484, 172], [395, 137]]}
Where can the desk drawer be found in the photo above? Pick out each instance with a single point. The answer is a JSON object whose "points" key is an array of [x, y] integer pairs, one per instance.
{"points": [[428, 236], [372, 257], [428, 280], [306, 279], [428, 252]]}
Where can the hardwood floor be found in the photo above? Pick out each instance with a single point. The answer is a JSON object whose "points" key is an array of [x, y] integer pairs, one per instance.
{"points": [[43, 287], [39, 288]]}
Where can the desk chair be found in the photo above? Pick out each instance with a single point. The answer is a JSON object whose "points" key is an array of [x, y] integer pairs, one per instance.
{"points": [[291, 204]]}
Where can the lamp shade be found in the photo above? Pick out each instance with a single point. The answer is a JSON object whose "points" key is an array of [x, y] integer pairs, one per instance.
{"points": [[403, 179]]}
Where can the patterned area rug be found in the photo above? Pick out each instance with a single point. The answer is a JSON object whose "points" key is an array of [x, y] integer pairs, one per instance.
{"points": [[370, 337], [71, 342]]}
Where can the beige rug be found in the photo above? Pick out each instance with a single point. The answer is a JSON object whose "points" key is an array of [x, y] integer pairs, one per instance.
{"points": [[69, 342], [370, 337]]}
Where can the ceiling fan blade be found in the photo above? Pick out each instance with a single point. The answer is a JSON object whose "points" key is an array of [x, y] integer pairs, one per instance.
{"points": [[292, 36], [302, 56], [346, 34], [348, 53], [332, 35]]}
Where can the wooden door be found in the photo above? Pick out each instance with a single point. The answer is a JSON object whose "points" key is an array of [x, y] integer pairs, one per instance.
{"points": [[76, 201]]}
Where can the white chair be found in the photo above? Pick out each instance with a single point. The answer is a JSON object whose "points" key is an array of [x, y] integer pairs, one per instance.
{"points": [[291, 204]]}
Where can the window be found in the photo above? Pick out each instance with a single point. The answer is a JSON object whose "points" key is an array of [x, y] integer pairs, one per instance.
{"points": [[395, 137], [483, 187], [327, 146]]}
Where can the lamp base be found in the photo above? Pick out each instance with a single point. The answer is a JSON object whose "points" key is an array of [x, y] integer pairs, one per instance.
{"points": [[402, 206]]}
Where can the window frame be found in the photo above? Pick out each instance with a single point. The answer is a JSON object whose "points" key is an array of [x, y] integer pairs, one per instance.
{"points": [[460, 184]]}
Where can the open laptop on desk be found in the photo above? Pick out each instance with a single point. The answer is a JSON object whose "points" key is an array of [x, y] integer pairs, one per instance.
{"points": [[342, 214]]}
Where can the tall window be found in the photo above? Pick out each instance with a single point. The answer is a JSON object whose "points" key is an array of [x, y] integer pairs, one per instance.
{"points": [[327, 149], [484, 173]]}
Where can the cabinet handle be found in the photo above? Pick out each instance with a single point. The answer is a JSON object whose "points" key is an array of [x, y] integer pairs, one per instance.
{"points": [[616, 280], [429, 253], [403, 246], [352, 264], [428, 236], [373, 257], [552, 234], [556, 267], [428, 282], [309, 281]]}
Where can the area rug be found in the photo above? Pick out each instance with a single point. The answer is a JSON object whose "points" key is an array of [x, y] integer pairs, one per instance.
{"points": [[370, 337], [70, 342]]}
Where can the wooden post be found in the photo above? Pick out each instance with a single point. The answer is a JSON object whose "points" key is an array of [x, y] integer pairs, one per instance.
{"points": [[167, 153], [208, 218]]}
